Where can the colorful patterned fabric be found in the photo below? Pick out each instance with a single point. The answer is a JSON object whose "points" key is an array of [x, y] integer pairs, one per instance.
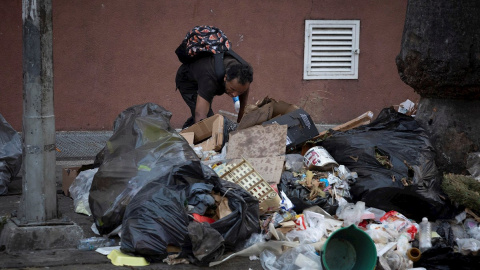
{"points": [[206, 39]]}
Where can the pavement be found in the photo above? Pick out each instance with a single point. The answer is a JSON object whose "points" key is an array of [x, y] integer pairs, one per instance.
{"points": [[77, 149]]}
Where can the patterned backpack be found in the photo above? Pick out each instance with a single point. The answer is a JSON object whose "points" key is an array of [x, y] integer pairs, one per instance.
{"points": [[204, 41]]}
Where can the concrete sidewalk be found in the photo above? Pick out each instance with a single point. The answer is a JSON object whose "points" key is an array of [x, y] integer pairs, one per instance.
{"points": [[76, 150]]}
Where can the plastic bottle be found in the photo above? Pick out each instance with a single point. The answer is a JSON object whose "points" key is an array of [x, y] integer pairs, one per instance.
{"points": [[236, 102], [93, 243], [425, 236]]}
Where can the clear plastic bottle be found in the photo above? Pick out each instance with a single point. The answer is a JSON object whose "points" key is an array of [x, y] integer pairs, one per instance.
{"points": [[425, 235], [236, 102], [93, 243]]}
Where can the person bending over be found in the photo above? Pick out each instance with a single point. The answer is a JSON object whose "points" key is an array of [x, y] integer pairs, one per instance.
{"points": [[198, 84]]}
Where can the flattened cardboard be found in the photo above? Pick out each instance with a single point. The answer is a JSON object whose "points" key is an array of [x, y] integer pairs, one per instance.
{"points": [[68, 175], [257, 141], [207, 133], [264, 110]]}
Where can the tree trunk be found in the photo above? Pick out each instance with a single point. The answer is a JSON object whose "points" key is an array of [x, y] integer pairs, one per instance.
{"points": [[440, 60]]}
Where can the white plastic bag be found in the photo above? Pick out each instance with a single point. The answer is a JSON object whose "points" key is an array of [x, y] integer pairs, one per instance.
{"points": [[80, 189]]}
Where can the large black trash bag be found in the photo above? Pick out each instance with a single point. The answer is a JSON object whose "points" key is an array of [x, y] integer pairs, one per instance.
{"points": [[444, 258], [207, 243], [154, 219], [244, 219], [157, 216], [411, 154], [143, 148], [10, 154]]}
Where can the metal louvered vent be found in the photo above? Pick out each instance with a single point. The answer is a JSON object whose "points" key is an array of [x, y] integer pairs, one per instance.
{"points": [[331, 49]]}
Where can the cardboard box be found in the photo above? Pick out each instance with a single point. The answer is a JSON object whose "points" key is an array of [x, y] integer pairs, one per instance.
{"points": [[68, 175], [264, 110], [301, 127], [207, 133]]}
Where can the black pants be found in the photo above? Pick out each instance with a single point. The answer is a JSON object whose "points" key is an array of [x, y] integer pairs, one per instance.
{"points": [[188, 89], [191, 100]]}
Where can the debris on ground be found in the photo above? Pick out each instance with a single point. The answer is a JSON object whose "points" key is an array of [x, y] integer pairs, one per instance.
{"points": [[366, 191], [10, 154]]}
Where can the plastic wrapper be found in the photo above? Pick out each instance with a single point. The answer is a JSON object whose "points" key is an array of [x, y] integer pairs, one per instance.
{"points": [[403, 244], [301, 257], [397, 261], [143, 148], [400, 223], [314, 232], [377, 212], [473, 164], [468, 246], [445, 230], [472, 228], [351, 213], [157, 217], [10, 154], [381, 234], [80, 189], [394, 161], [293, 162]]}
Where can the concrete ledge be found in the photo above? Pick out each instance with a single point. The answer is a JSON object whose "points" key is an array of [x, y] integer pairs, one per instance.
{"points": [[14, 238]]}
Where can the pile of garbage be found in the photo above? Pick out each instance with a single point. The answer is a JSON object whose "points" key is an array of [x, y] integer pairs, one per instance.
{"points": [[274, 189]]}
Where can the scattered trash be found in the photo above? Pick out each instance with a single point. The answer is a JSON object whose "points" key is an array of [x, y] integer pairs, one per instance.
{"points": [[10, 154], [80, 189], [245, 175], [301, 128], [473, 165], [318, 158], [95, 242], [156, 219], [425, 235], [279, 194], [120, 259], [142, 148], [407, 107], [394, 160]]}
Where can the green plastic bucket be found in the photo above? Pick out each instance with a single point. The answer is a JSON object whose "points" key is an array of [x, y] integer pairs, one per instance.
{"points": [[349, 248]]}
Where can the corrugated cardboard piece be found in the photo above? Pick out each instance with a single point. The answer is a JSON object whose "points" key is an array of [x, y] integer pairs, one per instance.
{"points": [[68, 175], [257, 141], [264, 110], [207, 133], [263, 147]]}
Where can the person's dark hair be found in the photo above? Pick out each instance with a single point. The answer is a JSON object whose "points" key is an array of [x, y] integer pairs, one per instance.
{"points": [[244, 73]]}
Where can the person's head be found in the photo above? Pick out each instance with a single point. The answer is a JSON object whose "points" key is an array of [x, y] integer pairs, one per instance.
{"points": [[237, 79]]}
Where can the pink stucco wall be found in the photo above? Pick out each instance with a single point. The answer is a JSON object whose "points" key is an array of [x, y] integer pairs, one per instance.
{"points": [[112, 54]]}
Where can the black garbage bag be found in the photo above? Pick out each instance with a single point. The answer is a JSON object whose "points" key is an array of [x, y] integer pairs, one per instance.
{"points": [[10, 154], [142, 148], [394, 160], [157, 217], [207, 243], [299, 194], [444, 258]]}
